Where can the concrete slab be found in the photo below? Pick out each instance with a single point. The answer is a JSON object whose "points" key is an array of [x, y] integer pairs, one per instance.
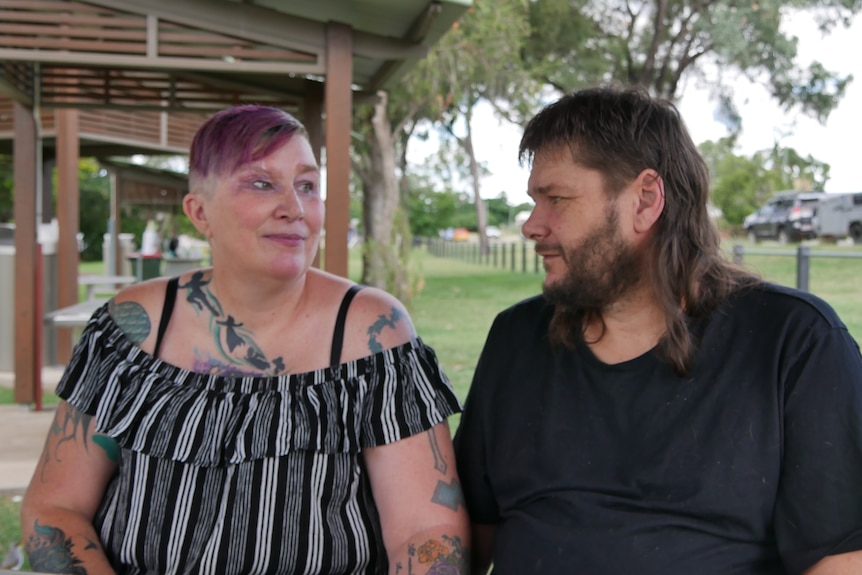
{"points": [[23, 431]]}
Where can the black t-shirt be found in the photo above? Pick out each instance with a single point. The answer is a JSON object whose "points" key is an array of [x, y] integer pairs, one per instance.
{"points": [[753, 465]]}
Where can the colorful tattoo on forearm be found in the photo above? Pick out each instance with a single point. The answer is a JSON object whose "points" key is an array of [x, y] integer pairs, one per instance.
{"points": [[443, 556], [50, 551], [377, 327], [240, 355]]}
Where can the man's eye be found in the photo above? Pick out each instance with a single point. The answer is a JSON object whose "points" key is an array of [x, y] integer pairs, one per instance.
{"points": [[262, 184], [554, 199]]}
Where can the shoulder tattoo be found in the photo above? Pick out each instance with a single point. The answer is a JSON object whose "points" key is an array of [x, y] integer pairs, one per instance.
{"points": [[132, 319], [378, 326]]}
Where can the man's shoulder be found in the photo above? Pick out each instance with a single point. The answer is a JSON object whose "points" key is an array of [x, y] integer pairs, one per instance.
{"points": [[527, 310], [776, 301], [523, 321]]}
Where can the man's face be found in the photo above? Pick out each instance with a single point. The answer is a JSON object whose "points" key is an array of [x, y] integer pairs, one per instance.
{"points": [[589, 262]]}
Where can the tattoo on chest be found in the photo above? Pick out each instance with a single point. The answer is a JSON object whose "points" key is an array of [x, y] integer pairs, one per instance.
{"points": [[238, 354], [378, 326]]}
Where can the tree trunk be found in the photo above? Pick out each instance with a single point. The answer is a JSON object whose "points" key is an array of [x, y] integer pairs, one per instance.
{"points": [[481, 216], [380, 201]]}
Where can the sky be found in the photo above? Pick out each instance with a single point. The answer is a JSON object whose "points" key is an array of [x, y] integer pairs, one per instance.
{"points": [[838, 142]]}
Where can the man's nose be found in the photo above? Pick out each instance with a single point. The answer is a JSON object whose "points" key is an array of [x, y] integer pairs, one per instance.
{"points": [[533, 228]]}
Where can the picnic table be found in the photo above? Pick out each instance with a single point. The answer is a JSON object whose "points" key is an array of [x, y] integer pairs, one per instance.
{"points": [[96, 284], [74, 315]]}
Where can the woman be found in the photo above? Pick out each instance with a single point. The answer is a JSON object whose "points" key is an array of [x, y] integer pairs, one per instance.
{"points": [[250, 417]]}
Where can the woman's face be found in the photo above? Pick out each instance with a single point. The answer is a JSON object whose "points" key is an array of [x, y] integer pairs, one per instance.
{"points": [[266, 217]]}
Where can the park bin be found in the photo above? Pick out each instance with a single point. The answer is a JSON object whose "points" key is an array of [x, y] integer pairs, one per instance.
{"points": [[151, 265]]}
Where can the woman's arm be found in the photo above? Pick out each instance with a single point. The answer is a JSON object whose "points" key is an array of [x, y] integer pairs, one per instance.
{"points": [[64, 494], [422, 513]]}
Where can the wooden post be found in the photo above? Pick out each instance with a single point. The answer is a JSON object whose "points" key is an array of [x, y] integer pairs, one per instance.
{"points": [[68, 200], [27, 372], [339, 99]]}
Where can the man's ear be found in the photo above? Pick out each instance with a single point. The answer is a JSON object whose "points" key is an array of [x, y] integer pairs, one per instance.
{"points": [[194, 207], [650, 200]]}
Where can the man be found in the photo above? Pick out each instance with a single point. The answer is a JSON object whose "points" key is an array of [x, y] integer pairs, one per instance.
{"points": [[657, 410]]}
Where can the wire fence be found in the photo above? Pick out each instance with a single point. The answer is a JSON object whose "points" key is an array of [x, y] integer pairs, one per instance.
{"points": [[514, 256], [520, 257]]}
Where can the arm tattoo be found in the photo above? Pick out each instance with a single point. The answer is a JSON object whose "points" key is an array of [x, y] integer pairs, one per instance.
{"points": [[132, 319], [75, 421], [51, 551], [443, 556], [448, 494], [239, 354], [377, 327], [439, 463]]}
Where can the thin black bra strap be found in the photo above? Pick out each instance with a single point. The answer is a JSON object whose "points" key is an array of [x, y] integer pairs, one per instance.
{"points": [[167, 310], [338, 334]]}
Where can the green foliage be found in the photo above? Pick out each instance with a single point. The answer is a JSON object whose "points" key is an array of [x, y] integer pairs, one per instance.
{"points": [[656, 43], [742, 184], [429, 210], [10, 525], [94, 206], [499, 210], [6, 187]]}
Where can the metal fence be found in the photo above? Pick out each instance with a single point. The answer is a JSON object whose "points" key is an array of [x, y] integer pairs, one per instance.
{"points": [[520, 257], [514, 256], [803, 256]]}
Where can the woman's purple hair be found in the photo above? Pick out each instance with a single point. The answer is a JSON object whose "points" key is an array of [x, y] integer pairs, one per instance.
{"points": [[238, 135]]}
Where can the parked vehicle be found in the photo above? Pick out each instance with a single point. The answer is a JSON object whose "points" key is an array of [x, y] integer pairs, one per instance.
{"points": [[787, 218], [840, 216]]}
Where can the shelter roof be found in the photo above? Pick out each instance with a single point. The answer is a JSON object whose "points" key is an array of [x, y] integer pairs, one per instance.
{"points": [[147, 185], [202, 55]]}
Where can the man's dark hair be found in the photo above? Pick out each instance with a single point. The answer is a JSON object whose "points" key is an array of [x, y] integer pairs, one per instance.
{"points": [[620, 132]]}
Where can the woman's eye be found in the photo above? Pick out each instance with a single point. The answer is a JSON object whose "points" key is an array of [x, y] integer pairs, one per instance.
{"points": [[307, 187], [262, 185]]}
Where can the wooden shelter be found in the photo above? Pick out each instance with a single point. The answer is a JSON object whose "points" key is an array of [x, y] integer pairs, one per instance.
{"points": [[172, 58]]}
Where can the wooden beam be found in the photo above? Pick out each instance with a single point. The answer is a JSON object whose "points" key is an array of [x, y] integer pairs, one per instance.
{"points": [[338, 102], [27, 375], [68, 196], [312, 118]]}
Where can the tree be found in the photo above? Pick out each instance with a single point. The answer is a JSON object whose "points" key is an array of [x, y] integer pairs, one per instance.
{"points": [[429, 210], [742, 184], [94, 207], [479, 59], [657, 43]]}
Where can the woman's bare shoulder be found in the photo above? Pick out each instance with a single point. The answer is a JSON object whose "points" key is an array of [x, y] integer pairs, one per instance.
{"points": [[137, 308]]}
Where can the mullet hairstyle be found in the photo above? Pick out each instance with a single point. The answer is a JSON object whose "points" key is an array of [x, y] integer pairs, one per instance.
{"points": [[237, 136], [621, 131]]}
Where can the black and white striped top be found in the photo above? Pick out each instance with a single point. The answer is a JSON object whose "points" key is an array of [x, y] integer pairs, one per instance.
{"points": [[247, 475]]}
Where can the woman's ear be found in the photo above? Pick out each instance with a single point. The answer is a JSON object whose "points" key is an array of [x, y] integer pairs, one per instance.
{"points": [[194, 207], [650, 200]]}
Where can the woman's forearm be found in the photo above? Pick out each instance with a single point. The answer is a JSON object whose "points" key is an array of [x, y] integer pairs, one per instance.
{"points": [[59, 541]]}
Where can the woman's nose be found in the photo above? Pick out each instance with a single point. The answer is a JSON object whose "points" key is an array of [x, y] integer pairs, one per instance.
{"points": [[291, 206]]}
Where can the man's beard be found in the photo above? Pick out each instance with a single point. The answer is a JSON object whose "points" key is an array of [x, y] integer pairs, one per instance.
{"points": [[600, 271]]}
